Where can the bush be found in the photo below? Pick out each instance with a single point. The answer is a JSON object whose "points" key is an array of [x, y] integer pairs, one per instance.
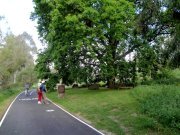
{"points": [[102, 84], [163, 106], [51, 83], [167, 77], [6, 93], [169, 81], [164, 73], [93, 87]]}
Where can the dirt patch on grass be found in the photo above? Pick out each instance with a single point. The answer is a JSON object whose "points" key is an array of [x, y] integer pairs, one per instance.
{"points": [[124, 128]]}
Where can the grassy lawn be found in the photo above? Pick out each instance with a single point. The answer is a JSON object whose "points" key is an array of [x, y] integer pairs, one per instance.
{"points": [[113, 111], [6, 97]]}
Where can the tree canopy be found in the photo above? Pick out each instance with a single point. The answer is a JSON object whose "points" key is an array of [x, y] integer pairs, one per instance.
{"points": [[95, 40], [16, 56]]}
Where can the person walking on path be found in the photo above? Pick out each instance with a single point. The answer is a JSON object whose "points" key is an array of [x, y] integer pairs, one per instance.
{"points": [[26, 86], [39, 92], [43, 90]]}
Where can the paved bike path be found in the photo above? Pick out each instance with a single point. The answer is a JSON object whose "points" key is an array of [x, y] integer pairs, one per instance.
{"points": [[26, 117]]}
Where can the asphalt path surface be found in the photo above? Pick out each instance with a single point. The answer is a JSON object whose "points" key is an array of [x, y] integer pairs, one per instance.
{"points": [[27, 117]]}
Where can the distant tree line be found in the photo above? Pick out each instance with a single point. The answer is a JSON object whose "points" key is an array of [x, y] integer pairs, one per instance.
{"points": [[16, 60]]}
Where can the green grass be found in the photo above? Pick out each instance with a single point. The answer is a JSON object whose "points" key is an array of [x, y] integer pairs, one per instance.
{"points": [[114, 111], [176, 73], [162, 104], [6, 97]]}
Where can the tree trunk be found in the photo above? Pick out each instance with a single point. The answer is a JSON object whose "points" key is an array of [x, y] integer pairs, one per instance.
{"points": [[14, 77], [111, 83], [111, 62]]}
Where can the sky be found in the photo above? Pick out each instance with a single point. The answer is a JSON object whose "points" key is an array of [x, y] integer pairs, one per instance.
{"points": [[17, 18]]}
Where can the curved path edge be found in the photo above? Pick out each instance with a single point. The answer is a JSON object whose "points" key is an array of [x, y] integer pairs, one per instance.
{"points": [[4, 116], [6, 112], [75, 117]]}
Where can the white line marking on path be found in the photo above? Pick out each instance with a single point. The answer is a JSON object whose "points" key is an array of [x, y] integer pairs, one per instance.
{"points": [[31, 92], [27, 99], [76, 117], [8, 110], [49, 110]]}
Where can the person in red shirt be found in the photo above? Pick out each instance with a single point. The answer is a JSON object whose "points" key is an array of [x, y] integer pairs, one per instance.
{"points": [[43, 90], [39, 92]]}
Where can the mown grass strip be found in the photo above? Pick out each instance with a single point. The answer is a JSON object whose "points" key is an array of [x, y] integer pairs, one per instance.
{"points": [[112, 111]]}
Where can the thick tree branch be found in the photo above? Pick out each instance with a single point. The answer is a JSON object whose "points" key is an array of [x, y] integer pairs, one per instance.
{"points": [[128, 51]]}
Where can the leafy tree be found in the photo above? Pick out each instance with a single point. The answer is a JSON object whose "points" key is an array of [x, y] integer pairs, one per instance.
{"points": [[158, 30], [86, 35], [89, 40], [15, 55], [27, 75], [42, 66]]}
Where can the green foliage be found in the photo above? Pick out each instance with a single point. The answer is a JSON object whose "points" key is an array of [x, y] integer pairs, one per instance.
{"points": [[176, 73], [164, 76], [114, 112], [146, 123], [52, 81], [42, 67], [84, 36], [166, 81], [6, 93], [164, 106], [12, 63], [168, 77], [27, 75], [92, 38], [155, 22], [126, 72], [6, 97], [164, 73]]}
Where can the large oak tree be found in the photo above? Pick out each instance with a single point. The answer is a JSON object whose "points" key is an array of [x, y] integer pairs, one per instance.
{"points": [[90, 40], [86, 38]]}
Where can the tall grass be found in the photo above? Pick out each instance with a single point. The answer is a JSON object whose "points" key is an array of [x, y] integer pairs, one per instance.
{"points": [[161, 102], [163, 105], [6, 96]]}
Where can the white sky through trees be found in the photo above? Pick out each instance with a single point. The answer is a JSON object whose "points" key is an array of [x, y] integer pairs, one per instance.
{"points": [[17, 18]]}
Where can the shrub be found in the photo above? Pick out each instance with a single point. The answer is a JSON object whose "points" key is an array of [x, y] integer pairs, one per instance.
{"points": [[75, 85], [51, 83], [163, 106], [93, 87], [4, 94], [166, 76], [164, 73], [102, 84]]}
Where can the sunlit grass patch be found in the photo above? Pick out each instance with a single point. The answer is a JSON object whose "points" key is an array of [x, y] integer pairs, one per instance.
{"points": [[113, 111]]}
